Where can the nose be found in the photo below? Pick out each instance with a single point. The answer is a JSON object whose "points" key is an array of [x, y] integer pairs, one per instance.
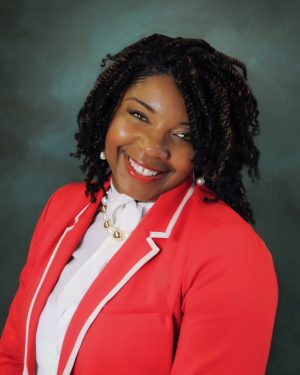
{"points": [[155, 145]]}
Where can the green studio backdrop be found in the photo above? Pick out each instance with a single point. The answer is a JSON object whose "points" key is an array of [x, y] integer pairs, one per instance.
{"points": [[50, 56]]}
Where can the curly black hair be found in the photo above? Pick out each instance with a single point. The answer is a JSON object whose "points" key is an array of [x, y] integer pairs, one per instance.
{"points": [[221, 108]]}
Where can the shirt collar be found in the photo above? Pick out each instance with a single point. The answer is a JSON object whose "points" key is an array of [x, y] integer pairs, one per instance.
{"points": [[116, 199]]}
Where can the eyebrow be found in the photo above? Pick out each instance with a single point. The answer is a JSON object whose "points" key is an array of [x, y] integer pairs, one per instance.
{"points": [[152, 110]]}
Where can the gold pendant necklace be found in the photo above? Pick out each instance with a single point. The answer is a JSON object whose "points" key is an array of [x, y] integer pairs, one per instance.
{"points": [[117, 233]]}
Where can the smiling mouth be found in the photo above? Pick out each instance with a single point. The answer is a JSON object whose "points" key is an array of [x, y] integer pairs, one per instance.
{"points": [[140, 171]]}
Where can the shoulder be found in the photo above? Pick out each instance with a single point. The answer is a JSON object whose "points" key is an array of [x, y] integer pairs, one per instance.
{"points": [[217, 236], [212, 213], [224, 252], [65, 201], [70, 194], [72, 189], [203, 219]]}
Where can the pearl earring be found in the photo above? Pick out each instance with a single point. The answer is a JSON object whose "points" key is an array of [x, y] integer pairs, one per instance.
{"points": [[200, 181], [102, 155]]}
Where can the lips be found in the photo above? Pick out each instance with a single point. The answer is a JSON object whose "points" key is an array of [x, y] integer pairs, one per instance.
{"points": [[140, 171]]}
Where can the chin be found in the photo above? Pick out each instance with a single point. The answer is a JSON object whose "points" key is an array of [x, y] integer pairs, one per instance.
{"points": [[142, 197]]}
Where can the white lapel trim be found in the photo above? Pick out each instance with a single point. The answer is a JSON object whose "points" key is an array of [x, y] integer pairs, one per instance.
{"points": [[172, 222], [155, 249], [68, 229]]}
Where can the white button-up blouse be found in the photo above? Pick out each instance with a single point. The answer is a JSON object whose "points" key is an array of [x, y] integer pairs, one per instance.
{"points": [[93, 253]]}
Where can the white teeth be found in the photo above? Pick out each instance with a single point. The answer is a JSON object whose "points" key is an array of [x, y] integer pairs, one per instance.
{"points": [[141, 170]]}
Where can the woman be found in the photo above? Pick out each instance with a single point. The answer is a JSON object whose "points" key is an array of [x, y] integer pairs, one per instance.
{"points": [[151, 266]]}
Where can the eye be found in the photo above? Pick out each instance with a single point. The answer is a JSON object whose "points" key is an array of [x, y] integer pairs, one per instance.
{"points": [[138, 115], [184, 136]]}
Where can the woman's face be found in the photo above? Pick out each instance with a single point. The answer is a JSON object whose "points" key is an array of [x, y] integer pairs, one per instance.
{"points": [[147, 145]]}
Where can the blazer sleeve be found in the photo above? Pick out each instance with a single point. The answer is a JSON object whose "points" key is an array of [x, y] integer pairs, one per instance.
{"points": [[11, 343], [229, 301]]}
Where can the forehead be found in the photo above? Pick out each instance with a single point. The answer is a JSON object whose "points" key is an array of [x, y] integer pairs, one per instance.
{"points": [[160, 92]]}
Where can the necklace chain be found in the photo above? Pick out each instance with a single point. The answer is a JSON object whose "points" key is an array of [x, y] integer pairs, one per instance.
{"points": [[108, 224]]}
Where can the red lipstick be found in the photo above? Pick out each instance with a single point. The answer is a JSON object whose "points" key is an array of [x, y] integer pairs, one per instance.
{"points": [[133, 173]]}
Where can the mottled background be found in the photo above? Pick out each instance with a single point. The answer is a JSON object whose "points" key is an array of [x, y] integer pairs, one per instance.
{"points": [[51, 53]]}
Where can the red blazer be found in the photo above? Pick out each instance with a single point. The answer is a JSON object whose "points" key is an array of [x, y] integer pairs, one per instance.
{"points": [[192, 291]]}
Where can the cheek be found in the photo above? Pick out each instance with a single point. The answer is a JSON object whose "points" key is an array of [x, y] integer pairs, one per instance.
{"points": [[187, 168], [119, 132], [183, 167], [184, 159]]}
